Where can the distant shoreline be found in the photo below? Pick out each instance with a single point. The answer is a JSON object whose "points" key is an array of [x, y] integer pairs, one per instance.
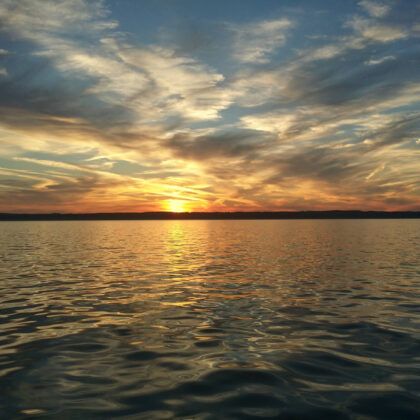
{"points": [[333, 214]]}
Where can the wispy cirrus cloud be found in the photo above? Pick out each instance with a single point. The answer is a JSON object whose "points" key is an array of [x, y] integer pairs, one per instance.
{"points": [[375, 9], [91, 115], [255, 42], [152, 82], [373, 62], [372, 31]]}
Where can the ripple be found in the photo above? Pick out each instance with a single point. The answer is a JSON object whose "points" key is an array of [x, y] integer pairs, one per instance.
{"points": [[210, 320]]}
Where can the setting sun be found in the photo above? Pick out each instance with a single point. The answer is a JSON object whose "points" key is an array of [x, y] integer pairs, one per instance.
{"points": [[176, 206]]}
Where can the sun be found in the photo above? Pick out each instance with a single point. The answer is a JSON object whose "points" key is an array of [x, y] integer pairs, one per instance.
{"points": [[176, 206]]}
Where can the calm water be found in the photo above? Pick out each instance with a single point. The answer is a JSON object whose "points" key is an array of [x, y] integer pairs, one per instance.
{"points": [[210, 319]]}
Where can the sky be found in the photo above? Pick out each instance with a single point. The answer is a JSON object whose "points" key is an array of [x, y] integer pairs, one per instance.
{"points": [[199, 105]]}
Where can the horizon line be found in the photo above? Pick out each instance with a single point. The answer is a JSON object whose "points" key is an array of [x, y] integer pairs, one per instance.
{"points": [[166, 215]]}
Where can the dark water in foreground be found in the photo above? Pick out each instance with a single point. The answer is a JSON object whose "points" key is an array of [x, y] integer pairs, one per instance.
{"points": [[210, 319]]}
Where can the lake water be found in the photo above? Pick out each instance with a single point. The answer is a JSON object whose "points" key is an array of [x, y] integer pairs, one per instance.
{"points": [[289, 319]]}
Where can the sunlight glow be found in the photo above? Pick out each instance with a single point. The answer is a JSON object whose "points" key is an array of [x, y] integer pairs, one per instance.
{"points": [[176, 206]]}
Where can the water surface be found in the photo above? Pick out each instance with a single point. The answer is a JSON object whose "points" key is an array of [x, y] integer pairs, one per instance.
{"points": [[293, 319]]}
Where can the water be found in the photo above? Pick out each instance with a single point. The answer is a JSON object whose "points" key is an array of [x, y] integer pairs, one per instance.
{"points": [[210, 319]]}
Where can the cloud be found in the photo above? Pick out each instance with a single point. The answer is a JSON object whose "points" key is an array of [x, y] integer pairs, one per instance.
{"points": [[337, 122], [370, 30], [375, 9], [152, 82], [376, 171], [374, 62], [256, 41], [216, 145], [70, 185], [178, 85], [397, 130], [63, 196], [365, 32], [43, 21], [330, 125]]}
